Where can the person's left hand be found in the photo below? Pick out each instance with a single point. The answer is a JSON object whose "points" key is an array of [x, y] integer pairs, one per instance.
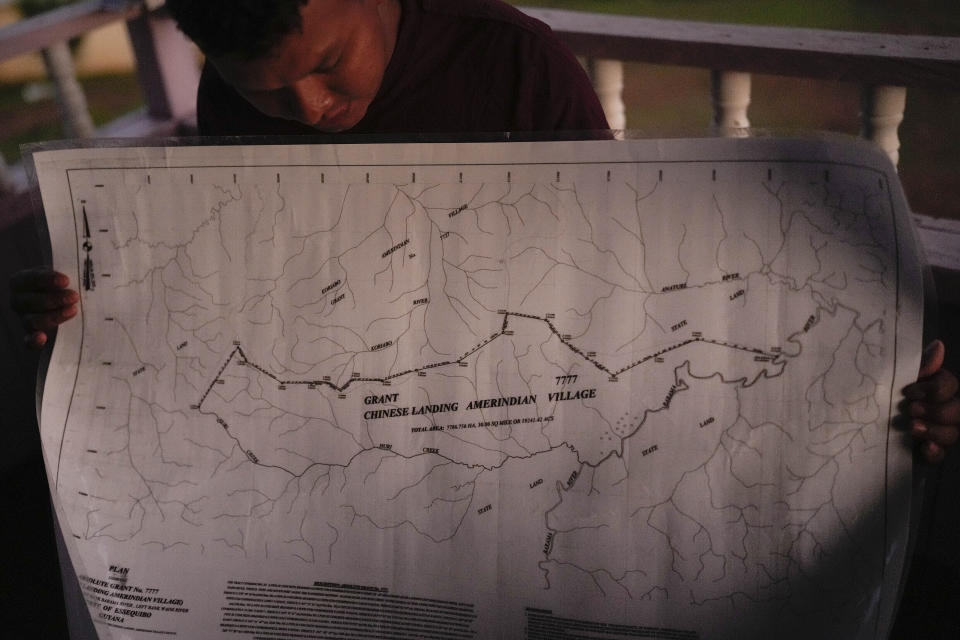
{"points": [[933, 406], [42, 300]]}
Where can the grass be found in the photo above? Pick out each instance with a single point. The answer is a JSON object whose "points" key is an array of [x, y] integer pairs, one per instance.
{"points": [[108, 97]]}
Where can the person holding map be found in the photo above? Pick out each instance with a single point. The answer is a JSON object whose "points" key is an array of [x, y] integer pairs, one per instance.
{"points": [[304, 66], [387, 66], [383, 66]]}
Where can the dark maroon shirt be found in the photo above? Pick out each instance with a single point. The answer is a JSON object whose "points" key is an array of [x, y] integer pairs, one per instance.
{"points": [[459, 66]]}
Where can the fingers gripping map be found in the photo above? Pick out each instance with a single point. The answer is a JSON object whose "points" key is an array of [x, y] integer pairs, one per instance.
{"points": [[603, 389]]}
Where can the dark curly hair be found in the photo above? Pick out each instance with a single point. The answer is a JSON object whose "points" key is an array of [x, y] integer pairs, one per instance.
{"points": [[249, 28]]}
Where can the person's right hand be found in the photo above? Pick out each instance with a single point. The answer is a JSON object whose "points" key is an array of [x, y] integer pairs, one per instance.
{"points": [[42, 299]]}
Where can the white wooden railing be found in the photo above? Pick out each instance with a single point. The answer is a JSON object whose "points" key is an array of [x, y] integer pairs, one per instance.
{"points": [[884, 65], [166, 62]]}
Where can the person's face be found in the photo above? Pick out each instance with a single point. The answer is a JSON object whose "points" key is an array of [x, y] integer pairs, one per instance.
{"points": [[327, 75]]}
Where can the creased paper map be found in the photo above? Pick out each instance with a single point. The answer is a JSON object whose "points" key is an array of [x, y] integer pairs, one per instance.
{"points": [[603, 389]]}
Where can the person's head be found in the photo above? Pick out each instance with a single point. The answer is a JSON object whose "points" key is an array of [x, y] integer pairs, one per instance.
{"points": [[319, 62]]}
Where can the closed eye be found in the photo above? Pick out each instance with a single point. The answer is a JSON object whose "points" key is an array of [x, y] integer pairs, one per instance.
{"points": [[328, 65]]}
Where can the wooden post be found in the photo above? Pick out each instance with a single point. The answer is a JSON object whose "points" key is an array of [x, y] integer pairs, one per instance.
{"points": [[74, 114], [5, 185], [166, 66], [607, 77], [730, 94], [881, 115]]}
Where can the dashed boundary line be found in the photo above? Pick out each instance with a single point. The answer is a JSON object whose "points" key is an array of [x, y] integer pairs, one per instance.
{"points": [[504, 330]]}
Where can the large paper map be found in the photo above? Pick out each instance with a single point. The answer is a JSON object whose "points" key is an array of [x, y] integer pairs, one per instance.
{"points": [[599, 389]]}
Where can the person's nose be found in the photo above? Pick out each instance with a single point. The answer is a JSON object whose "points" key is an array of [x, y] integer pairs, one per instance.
{"points": [[310, 99]]}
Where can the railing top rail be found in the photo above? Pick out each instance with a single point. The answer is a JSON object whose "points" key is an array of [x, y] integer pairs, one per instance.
{"points": [[913, 61], [39, 32], [873, 58]]}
